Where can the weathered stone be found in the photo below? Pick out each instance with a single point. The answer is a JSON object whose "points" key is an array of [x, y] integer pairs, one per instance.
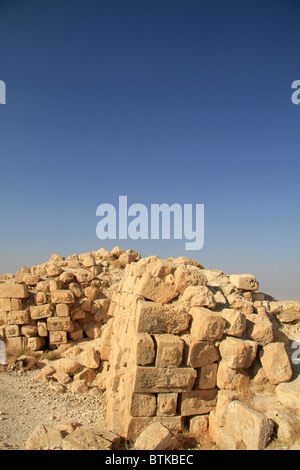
{"points": [[29, 330], [199, 425], [169, 350], [244, 281], [240, 303], [44, 438], [167, 404], [135, 426], [30, 279], [16, 343], [143, 404], [20, 317], [276, 363], [155, 289], [69, 366], [62, 297], [232, 379], [154, 437], [197, 402], [225, 397], [156, 318], [57, 337], [289, 394], [206, 325], [207, 377], [84, 438], [37, 312], [289, 311], [60, 324], [253, 428], [89, 358], [201, 353], [35, 343], [238, 353], [83, 275], [199, 296], [184, 277], [12, 330], [235, 322], [62, 310], [41, 298], [13, 291], [259, 329], [79, 386], [53, 270], [145, 352], [157, 380]]}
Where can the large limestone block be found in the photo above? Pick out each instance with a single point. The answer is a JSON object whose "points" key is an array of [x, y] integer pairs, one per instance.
{"points": [[37, 312], [232, 379], [134, 426], [143, 404], [184, 277], [69, 366], [244, 281], [156, 318], [259, 329], [275, 362], [167, 404], [157, 380], [60, 324], [252, 427], [35, 343], [238, 353], [289, 311], [225, 397], [169, 350], [20, 317], [199, 296], [206, 325], [57, 337], [201, 353], [12, 330], [198, 402], [8, 305], [155, 289], [289, 394], [154, 437], [239, 303], [62, 297], [90, 358], [145, 352], [44, 438], [13, 291], [207, 378], [235, 322], [84, 438]]}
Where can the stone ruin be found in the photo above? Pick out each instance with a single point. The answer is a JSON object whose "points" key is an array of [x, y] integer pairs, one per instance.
{"points": [[173, 344]]}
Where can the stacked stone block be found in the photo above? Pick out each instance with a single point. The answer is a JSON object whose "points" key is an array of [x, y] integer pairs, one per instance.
{"points": [[59, 301]]}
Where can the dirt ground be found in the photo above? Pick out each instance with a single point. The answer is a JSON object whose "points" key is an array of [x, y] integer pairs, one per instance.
{"points": [[24, 404]]}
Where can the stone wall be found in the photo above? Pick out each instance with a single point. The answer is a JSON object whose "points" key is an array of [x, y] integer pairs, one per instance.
{"points": [[180, 334], [61, 300], [178, 344]]}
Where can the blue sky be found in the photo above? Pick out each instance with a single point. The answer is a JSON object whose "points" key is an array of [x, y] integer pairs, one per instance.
{"points": [[165, 101]]}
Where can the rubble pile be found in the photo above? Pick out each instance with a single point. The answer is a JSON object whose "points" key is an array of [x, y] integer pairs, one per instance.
{"points": [[175, 346]]}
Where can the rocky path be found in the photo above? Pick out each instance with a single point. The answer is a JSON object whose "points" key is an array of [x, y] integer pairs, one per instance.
{"points": [[24, 404]]}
